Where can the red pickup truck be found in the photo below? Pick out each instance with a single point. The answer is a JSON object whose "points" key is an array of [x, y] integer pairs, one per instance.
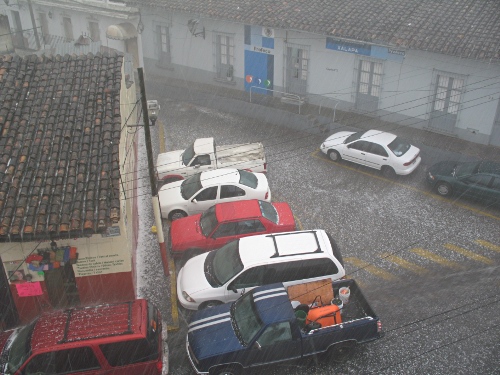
{"points": [[225, 222]]}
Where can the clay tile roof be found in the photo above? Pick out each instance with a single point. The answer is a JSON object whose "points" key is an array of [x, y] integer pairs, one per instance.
{"points": [[458, 28], [58, 175]]}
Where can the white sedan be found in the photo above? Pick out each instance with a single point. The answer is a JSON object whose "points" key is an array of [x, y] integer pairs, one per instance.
{"points": [[201, 191], [375, 149]]}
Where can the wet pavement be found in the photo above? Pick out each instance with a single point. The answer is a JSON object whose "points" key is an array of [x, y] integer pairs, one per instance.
{"points": [[161, 290]]}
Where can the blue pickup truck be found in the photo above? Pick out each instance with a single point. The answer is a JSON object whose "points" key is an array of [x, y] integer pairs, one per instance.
{"points": [[262, 327]]}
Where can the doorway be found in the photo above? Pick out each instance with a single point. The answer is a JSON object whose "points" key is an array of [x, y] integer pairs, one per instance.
{"points": [[447, 98], [495, 132], [17, 36], [8, 312], [61, 287], [369, 84], [296, 69]]}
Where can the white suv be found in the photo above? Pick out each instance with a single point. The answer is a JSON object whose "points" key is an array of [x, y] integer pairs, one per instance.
{"points": [[222, 275]]}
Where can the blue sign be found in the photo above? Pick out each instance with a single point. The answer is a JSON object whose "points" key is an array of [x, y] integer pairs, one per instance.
{"points": [[378, 52], [358, 49]]}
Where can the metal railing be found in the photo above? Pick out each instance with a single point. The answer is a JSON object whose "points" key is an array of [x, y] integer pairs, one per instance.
{"points": [[322, 101], [299, 101]]}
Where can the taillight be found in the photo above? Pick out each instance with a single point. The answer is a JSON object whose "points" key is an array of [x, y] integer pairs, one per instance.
{"points": [[159, 366], [267, 195], [265, 166], [410, 162], [379, 326]]}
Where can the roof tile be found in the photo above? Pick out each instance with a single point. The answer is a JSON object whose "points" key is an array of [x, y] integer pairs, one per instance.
{"points": [[50, 162], [424, 24]]}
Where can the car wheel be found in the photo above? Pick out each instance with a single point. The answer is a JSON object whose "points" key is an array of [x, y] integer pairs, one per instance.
{"points": [[388, 172], [177, 214], [209, 304], [443, 188], [340, 353], [229, 370], [334, 155]]}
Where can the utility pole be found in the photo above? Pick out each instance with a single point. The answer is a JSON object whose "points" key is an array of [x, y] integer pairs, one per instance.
{"points": [[152, 180]]}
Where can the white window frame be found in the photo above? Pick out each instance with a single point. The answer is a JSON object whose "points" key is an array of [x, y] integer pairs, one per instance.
{"points": [[446, 98], [223, 46]]}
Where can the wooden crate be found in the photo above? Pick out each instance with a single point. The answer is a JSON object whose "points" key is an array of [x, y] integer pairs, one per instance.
{"points": [[307, 292]]}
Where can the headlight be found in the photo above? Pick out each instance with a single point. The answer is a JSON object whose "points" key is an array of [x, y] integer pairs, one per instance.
{"points": [[431, 177], [187, 297]]}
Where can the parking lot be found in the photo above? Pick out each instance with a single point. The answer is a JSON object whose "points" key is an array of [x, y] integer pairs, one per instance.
{"points": [[428, 265]]}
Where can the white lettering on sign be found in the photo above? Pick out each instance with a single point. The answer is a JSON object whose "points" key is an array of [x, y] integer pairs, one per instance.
{"points": [[397, 52], [347, 49]]}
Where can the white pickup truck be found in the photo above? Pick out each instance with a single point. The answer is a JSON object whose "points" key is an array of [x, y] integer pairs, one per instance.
{"points": [[204, 155]]}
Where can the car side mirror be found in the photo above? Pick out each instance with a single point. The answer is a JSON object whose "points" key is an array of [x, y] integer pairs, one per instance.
{"points": [[196, 166], [232, 288], [194, 200], [257, 346]]}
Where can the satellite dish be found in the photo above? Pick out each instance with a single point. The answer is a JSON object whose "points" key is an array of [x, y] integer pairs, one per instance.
{"points": [[193, 25]]}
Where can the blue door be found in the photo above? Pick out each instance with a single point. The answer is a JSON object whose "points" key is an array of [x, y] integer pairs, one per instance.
{"points": [[259, 72]]}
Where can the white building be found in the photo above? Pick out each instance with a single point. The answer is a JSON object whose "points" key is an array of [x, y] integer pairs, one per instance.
{"points": [[70, 26], [429, 64], [432, 65]]}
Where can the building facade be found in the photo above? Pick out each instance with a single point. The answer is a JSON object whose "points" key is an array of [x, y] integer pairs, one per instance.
{"points": [[68, 206], [397, 66]]}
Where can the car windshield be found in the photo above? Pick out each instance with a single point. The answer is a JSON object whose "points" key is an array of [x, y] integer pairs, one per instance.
{"points": [[190, 186], [245, 318], [399, 147], [248, 179], [489, 167], [188, 154], [226, 262], [208, 221], [268, 211], [18, 349], [466, 169], [354, 137]]}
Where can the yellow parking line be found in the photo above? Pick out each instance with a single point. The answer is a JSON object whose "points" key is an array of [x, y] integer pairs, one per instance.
{"points": [[314, 154], [161, 135], [361, 284], [435, 258], [299, 224], [404, 263], [370, 268], [468, 253], [173, 295], [488, 245]]}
